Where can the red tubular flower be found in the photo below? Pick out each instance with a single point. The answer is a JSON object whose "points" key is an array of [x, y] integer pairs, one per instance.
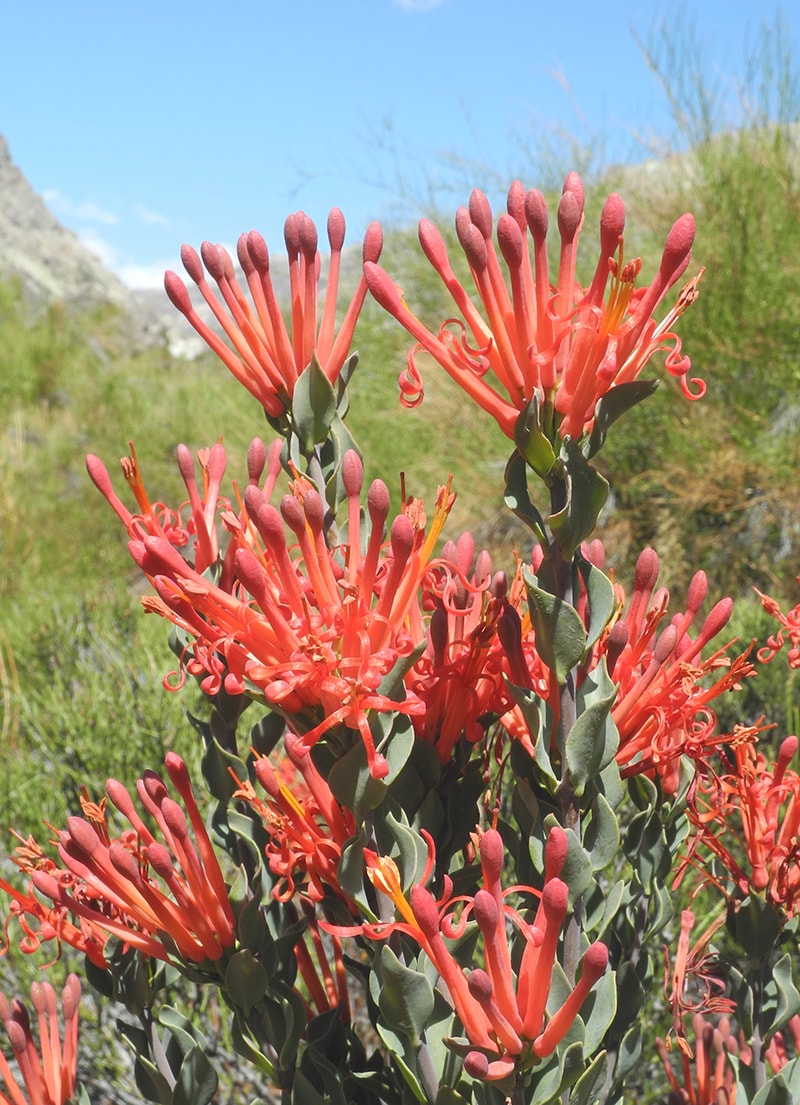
{"points": [[313, 629], [48, 1072], [566, 344], [266, 358], [151, 895], [507, 1027], [307, 828], [763, 855]]}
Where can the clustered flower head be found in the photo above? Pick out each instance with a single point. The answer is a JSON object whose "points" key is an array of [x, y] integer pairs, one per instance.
{"points": [[162, 896], [48, 1071], [543, 337], [267, 357], [507, 1027], [749, 819]]}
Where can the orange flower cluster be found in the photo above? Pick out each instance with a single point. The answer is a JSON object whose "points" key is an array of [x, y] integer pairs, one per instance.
{"points": [[750, 820], [507, 1027], [266, 358], [48, 1071], [565, 344], [155, 895]]}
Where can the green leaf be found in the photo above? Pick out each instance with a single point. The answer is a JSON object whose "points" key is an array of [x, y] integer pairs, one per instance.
{"points": [[600, 594], [518, 500], [601, 836], [349, 778], [406, 998], [560, 636], [246, 980], [755, 926], [776, 1092], [150, 1082], [589, 1087], [313, 406], [404, 1056], [593, 740], [599, 1011], [577, 871], [613, 404], [197, 1080], [406, 848], [782, 991], [531, 441], [586, 495]]}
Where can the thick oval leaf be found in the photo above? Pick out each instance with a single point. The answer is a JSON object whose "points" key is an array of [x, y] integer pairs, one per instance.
{"points": [[246, 981], [406, 998], [601, 598], [586, 494], [532, 442], [593, 740], [560, 636], [197, 1080], [313, 406]]}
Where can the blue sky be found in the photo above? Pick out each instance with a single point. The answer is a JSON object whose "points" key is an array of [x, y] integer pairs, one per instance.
{"points": [[148, 124]]}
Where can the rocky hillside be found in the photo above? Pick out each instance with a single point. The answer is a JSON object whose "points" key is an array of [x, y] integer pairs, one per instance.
{"points": [[50, 261]]}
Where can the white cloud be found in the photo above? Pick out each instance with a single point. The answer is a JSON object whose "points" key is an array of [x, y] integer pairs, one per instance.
{"points": [[147, 277], [152, 218], [62, 205], [99, 246]]}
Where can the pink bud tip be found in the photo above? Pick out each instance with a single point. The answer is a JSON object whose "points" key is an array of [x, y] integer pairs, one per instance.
{"points": [[307, 233], [718, 618], [190, 259], [432, 244], [383, 288], [83, 835], [379, 767], [212, 259], [352, 473], [17, 1036], [402, 537], [569, 216], [98, 473], [476, 1064], [480, 212], [378, 502], [291, 235], [612, 223], [39, 996], [787, 749], [174, 817], [555, 852], [646, 572], [256, 459], [257, 248], [424, 906], [160, 860], [555, 898], [574, 185], [123, 862], [484, 908], [492, 854], [245, 260], [185, 463], [665, 644], [373, 243], [509, 238], [71, 997], [515, 203], [314, 510], [594, 963], [293, 514], [474, 245], [177, 770], [265, 773], [698, 589], [480, 986], [336, 228], [678, 245], [177, 292], [536, 215]]}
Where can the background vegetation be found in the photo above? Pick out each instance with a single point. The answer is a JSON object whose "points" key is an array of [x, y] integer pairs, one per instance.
{"points": [[711, 485]]}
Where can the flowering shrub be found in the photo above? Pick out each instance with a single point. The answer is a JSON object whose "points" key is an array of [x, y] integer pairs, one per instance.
{"points": [[473, 808]]}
